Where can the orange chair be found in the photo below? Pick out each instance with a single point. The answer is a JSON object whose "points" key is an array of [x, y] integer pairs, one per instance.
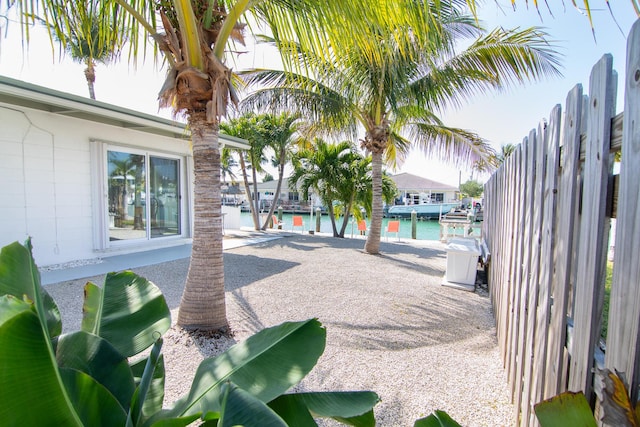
{"points": [[297, 222], [362, 227], [276, 222], [393, 227]]}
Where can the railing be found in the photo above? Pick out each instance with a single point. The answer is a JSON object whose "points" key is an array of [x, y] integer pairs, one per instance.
{"points": [[547, 219]]}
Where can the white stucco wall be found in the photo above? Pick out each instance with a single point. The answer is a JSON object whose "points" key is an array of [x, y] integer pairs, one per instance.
{"points": [[46, 185]]}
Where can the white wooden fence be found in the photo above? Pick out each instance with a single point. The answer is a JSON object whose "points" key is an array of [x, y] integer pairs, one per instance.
{"points": [[547, 220]]}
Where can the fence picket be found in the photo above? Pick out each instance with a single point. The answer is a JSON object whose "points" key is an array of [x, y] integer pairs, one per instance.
{"points": [[567, 193], [516, 277], [530, 146], [550, 182], [594, 227], [624, 309]]}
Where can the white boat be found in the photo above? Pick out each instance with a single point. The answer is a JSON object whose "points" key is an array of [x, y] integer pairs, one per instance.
{"points": [[423, 210]]}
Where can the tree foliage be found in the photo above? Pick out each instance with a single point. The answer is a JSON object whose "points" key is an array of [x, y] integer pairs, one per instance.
{"points": [[472, 189], [396, 97]]}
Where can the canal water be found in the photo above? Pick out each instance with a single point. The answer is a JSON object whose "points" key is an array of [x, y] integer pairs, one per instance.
{"points": [[425, 230]]}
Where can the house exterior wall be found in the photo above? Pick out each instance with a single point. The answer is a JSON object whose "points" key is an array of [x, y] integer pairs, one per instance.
{"points": [[51, 181]]}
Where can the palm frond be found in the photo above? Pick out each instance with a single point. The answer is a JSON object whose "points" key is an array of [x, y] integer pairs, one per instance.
{"points": [[449, 144]]}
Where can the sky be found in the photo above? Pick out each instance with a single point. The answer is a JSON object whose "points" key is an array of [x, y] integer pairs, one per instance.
{"points": [[500, 118]]}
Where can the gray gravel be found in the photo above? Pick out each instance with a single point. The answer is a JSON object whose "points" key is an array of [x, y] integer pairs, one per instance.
{"points": [[391, 327]]}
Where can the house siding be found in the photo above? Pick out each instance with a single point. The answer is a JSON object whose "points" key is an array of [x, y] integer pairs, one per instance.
{"points": [[48, 187]]}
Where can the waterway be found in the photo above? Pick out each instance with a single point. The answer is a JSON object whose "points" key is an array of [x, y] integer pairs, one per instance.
{"points": [[425, 230]]}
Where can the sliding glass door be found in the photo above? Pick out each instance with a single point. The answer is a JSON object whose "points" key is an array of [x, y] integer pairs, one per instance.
{"points": [[143, 195], [165, 198]]}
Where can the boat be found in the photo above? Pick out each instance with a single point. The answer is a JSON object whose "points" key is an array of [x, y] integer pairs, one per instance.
{"points": [[423, 210]]}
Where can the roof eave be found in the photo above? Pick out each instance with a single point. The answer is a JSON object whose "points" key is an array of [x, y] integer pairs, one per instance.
{"points": [[16, 92]]}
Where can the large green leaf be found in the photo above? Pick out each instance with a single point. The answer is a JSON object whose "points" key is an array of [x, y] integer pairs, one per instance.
{"points": [[155, 393], [437, 419], [130, 312], [147, 387], [97, 358], [19, 277], [239, 408], [93, 402], [352, 407], [265, 365], [566, 409], [31, 390]]}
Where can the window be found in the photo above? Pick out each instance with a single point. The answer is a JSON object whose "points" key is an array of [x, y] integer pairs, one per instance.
{"points": [[143, 195]]}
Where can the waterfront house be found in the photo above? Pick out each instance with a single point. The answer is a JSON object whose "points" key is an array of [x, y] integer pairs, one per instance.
{"points": [[413, 190]]}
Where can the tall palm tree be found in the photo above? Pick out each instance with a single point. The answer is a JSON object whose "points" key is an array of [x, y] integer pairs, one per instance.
{"points": [[395, 98], [277, 132], [89, 36], [328, 170], [246, 127]]}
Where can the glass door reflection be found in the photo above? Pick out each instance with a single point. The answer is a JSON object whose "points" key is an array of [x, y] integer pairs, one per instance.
{"points": [[164, 212], [126, 189]]}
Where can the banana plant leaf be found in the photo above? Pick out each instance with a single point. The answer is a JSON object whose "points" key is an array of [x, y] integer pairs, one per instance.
{"points": [[266, 365], [129, 311], [20, 277], [437, 419], [146, 387], [34, 391], [566, 409], [616, 407], [354, 408], [155, 393], [94, 356], [239, 408]]}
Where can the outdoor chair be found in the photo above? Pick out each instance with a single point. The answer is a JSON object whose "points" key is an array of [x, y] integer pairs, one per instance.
{"points": [[276, 222], [393, 227], [362, 227], [297, 222]]}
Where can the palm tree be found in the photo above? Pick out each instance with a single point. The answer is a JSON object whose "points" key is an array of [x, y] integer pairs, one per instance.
{"points": [[277, 132], [395, 98], [331, 172], [227, 165], [88, 36], [505, 151], [246, 127]]}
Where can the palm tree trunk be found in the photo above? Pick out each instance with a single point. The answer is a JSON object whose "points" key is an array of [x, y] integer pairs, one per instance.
{"points": [[256, 201], [372, 245], [90, 75], [203, 299], [247, 191], [276, 196], [345, 220], [332, 217]]}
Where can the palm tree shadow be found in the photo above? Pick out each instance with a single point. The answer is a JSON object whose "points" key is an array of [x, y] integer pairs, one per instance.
{"points": [[243, 270]]}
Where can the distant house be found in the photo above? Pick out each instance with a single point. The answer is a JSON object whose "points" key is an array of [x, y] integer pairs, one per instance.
{"points": [[290, 198], [414, 189], [85, 178]]}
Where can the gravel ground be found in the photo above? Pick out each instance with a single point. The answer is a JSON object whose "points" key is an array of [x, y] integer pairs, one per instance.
{"points": [[391, 327]]}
